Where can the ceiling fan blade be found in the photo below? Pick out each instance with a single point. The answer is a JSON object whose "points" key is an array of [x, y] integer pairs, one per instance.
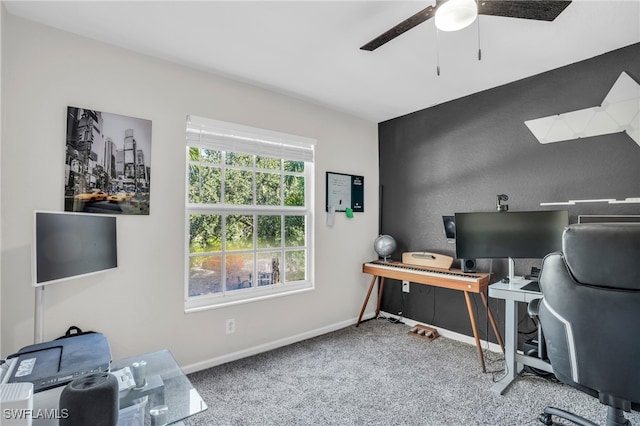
{"points": [[401, 28], [542, 10]]}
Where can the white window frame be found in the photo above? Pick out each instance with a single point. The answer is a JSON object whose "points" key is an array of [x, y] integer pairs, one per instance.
{"points": [[229, 137]]}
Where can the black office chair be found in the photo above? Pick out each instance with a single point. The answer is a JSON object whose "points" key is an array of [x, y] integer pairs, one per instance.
{"points": [[590, 315]]}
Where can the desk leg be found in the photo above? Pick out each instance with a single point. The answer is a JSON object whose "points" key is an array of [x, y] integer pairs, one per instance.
{"points": [[381, 285], [511, 342], [474, 326], [366, 300], [492, 321]]}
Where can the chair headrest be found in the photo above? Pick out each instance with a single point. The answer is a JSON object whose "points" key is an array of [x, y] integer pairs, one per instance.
{"points": [[604, 254]]}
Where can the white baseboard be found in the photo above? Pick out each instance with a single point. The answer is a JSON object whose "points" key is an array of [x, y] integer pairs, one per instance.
{"points": [[234, 356], [203, 365], [493, 347]]}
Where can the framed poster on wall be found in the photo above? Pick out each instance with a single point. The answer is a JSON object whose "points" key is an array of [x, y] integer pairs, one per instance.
{"points": [[344, 192], [108, 163]]}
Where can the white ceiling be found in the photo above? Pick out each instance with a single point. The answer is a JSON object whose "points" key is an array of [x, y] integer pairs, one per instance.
{"points": [[310, 49]]}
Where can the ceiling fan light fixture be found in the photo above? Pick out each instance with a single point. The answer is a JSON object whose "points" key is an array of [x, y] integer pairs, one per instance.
{"points": [[455, 15]]}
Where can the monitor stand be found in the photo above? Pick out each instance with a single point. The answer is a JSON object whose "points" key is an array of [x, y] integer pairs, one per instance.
{"points": [[513, 278]]}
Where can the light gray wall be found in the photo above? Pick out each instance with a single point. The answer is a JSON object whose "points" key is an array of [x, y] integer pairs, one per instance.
{"points": [[139, 307], [2, 15], [456, 157]]}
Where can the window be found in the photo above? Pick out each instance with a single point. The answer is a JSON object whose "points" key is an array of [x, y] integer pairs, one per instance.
{"points": [[248, 214]]}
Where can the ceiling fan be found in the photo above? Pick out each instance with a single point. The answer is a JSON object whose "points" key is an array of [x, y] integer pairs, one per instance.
{"points": [[452, 15]]}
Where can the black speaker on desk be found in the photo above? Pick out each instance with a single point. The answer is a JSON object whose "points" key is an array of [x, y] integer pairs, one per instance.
{"points": [[468, 265], [90, 400]]}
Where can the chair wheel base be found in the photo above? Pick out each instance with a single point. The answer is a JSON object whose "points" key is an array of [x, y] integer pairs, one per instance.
{"points": [[545, 418]]}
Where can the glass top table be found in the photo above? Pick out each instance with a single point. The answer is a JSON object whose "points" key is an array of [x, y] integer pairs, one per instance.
{"points": [[171, 397], [166, 397]]}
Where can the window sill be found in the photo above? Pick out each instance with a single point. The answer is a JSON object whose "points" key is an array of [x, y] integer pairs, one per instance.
{"points": [[208, 302]]}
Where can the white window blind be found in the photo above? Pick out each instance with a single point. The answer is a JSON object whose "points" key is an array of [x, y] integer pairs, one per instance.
{"points": [[223, 136]]}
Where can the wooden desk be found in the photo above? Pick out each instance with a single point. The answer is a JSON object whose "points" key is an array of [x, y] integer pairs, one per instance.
{"points": [[447, 278]]}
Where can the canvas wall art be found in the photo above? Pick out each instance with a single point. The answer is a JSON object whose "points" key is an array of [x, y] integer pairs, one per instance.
{"points": [[107, 163]]}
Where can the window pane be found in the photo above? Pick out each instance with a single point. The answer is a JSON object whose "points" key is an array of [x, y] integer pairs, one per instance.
{"points": [[205, 233], [235, 159], [238, 187], [204, 184], [293, 190], [269, 231], [294, 231], [211, 156], [267, 189], [194, 154], [239, 271], [205, 273], [205, 154], [239, 232], [267, 163], [294, 166], [296, 265], [269, 268]]}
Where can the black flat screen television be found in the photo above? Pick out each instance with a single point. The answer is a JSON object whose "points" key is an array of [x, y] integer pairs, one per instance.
{"points": [[526, 234], [68, 245]]}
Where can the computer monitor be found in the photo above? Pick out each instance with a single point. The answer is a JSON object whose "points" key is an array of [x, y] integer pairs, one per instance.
{"points": [[608, 218], [525, 234]]}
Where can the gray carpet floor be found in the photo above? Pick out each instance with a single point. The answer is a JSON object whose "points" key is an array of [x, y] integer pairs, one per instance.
{"points": [[377, 374]]}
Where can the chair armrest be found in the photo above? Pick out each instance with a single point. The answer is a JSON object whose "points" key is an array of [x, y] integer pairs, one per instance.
{"points": [[533, 308]]}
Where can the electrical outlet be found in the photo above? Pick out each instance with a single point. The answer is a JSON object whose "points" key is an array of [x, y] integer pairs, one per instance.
{"points": [[231, 326], [405, 286]]}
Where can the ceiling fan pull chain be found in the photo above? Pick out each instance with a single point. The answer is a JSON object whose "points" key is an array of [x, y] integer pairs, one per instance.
{"points": [[479, 48], [437, 52]]}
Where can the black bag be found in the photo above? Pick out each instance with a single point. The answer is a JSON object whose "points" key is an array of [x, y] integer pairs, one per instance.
{"points": [[74, 331], [58, 362]]}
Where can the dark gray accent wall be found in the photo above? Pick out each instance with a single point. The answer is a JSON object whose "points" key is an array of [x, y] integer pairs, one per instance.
{"points": [[457, 156]]}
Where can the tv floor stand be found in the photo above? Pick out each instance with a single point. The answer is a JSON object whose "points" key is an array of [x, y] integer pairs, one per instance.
{"points": [[38, 317]]}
